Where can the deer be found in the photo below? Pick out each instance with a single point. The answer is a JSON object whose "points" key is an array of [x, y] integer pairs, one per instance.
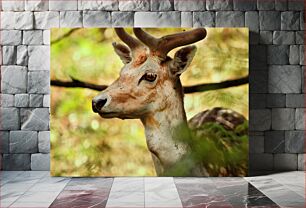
{"points": [[149, 89]]}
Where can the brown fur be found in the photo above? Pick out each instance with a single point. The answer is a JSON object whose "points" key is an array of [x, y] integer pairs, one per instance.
{"points": [[140, 60], [149, 98], [123, 97], [151, 122]]}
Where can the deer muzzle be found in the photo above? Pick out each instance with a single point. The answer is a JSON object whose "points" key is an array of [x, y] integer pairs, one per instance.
{"points": [[99, 102]]}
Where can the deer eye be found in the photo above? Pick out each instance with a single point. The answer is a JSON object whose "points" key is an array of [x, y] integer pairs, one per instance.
{"points": [[150, 77]]}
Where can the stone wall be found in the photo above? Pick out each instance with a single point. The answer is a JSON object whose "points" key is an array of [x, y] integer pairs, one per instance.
{"points": [[276, 68]]}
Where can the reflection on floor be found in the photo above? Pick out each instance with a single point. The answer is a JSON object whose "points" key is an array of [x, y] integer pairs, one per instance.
{"points": [[38, 189], [217, 192]]}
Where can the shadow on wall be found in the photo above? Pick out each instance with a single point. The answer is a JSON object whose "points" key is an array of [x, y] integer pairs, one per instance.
{"points": [[271, 80], [258, 87]]}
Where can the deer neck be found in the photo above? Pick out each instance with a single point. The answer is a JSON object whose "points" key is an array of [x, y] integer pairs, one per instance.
{"points": [[162, 136]]}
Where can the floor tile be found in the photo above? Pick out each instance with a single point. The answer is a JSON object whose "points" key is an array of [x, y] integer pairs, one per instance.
{"points": [[51, 179], [161, 192], [126, 184], [221, 192], [11, 191], [204, 194], [277, 192], [234, 190], [38, 189], [30, 205], [35, 199], [51, 184], [256, 198], [80, 199], [295, 181], [12, 187], [45, 186], [9, 199], [193, 180], [84, 192], [29, 175], [125, 199], [38, 196], [163, 198], [98, 184], [153, 184], [6, 176]]}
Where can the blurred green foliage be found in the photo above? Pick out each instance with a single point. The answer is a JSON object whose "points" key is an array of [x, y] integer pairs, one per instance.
{"points": [[222, 152], [83, 144]]}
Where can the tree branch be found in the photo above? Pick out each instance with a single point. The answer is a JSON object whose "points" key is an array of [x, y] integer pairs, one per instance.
{"points": [[77, 84], [187, 89], [216, 86], [64, 35]]}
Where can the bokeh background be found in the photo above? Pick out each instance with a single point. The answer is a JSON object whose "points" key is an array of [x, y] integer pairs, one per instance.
{"points": [[83, 144]]}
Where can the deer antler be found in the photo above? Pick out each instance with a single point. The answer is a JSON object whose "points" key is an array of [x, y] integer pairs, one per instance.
{"points": [[161, 46], [134, 44]]}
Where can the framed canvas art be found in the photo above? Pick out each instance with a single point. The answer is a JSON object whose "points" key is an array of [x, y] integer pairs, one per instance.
{"points": [[149, 101]]}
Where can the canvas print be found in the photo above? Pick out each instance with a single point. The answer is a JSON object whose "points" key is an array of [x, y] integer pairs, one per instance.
{"points": [[149, 101]]}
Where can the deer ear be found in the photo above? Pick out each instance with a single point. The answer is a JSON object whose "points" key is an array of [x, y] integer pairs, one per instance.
{"points": [[182, 60], [123, 52]]}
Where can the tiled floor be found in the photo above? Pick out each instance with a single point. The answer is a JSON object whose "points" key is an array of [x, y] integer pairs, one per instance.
{"points": [[38, 189]]}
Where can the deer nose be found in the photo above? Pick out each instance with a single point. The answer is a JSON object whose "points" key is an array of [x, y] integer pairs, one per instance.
{"points": [[98, 104]]}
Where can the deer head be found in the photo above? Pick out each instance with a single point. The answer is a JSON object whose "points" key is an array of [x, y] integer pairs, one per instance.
{"points": [[149, 80]]}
